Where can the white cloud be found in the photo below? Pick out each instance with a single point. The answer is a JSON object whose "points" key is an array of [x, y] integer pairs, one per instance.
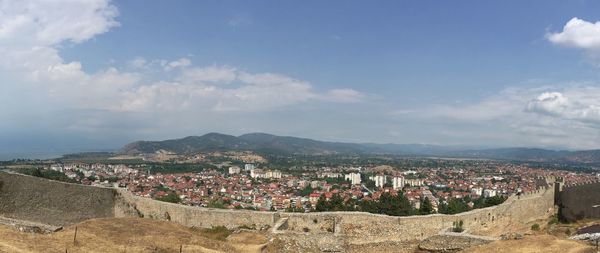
{"points": [[31, 32], [577, 104], [138, 63], [180, 63], [556, 116], [35, 23], [578, 33], [228, 89], [212, 74], [344, 95], [551, 103]]}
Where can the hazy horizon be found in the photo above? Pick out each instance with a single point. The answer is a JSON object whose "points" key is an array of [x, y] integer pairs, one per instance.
{"points": [[57, 152], [95, 75]]}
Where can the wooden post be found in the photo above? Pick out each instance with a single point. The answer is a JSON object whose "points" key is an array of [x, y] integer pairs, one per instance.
{"points": [[180, 248], [75, 236]]}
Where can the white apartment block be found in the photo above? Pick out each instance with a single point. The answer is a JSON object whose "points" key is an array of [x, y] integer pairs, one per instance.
{"points": [[354, 178], [380, 180], [398, 182], [234, 170]]}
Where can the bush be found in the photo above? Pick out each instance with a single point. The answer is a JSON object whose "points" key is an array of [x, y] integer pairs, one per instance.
{"points": [[170, 197], [457, 226], [553, 220], [535, 227], [216, 204], [253, 227], [49, 174], [218, 233]]}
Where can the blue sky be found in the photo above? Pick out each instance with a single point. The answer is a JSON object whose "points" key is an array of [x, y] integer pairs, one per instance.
{"points": [[98, 74]]}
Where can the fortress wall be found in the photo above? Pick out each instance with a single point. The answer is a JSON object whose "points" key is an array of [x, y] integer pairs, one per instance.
{"points": [[56, 203], [130, 205], [359, 228], [51, 202], [579, 201]]}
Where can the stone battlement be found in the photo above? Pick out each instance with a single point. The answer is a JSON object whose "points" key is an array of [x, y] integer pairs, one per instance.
{"points": [[580, 184]]}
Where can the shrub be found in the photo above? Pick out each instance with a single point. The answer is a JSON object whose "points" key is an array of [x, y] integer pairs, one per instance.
{"points": [[553, 220], [253, 227], [170, 197], [217, 233], [535, 227], [457, 226]]}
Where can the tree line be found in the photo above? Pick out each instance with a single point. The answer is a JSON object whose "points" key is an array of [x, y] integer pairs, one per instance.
{"points": [[399, 205]]}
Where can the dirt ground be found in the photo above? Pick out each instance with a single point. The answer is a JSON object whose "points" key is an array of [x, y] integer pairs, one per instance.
{"points": [[534, 244], [130, 235]]}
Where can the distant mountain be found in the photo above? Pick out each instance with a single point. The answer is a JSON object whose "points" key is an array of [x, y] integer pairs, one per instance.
{"points": [[191, 144], [259, 142], [293, 145], [273, 144]]}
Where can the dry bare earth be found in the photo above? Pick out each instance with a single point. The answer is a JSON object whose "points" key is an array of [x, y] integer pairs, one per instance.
{"points": [[130, 235], [534, 244]]}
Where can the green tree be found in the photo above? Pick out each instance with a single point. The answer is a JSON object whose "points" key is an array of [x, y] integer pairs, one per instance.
{"points": [[426, 207], [442, 206], [369, 206], [322, 204], [457, 206], [370, 184], [216, 204], [336, 203], [457, 226], [306, 191], [171, 197], [394, 205]]}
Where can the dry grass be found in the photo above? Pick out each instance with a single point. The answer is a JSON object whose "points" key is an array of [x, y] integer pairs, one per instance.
{"points": [[129, 235], [534, 244]]}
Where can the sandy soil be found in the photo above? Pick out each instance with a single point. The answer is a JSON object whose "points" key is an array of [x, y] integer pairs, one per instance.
{"points": [[129, 235]]}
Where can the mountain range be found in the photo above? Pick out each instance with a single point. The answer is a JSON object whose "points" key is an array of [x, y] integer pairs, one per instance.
{"points": [[287, 145]]}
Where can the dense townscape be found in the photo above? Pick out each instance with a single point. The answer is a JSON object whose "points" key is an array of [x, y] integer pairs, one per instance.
{"points": [[454, 187]]}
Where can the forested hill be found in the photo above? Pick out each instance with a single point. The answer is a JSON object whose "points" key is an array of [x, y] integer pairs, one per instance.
{"points": [[273, 144]]}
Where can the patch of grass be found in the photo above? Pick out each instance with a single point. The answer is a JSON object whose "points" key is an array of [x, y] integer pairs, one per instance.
{"points": [[553, 220], [218, 233], [535, 227], [253, 227]]}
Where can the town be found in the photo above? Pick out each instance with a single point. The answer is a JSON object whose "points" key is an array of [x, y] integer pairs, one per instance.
{"points": [[448, 189]]}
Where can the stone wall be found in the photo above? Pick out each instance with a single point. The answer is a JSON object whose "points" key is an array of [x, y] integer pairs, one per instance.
{"points": [[129, 205], [51, 202], [363, 228], [57, 203], [577, 202]]}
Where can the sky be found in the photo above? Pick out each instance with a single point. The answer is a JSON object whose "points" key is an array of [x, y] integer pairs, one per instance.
{"points": [[83, 75]]}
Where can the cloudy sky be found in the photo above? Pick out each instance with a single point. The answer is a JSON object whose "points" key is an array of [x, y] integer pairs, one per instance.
{"points": [[96, 74]]}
